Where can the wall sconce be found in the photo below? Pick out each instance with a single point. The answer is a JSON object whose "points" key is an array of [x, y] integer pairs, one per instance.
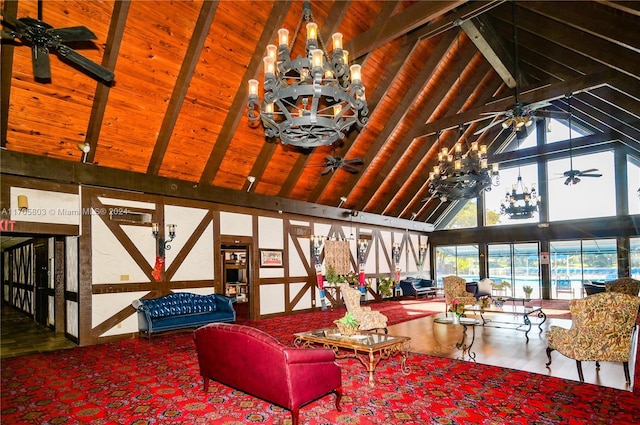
{"points": [[316, 245], [23, 203], [163, 244], [362, 250], [422, 252], [396, 252]]}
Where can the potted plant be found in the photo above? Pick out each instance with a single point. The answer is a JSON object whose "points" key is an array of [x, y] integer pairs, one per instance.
{"points": [[385, 287], [347, 324], [501, 287], [331, 276], [527, 291]]}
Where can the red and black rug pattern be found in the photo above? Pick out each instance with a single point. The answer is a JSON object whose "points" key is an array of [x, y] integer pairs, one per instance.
{"points": [[139, 382]]}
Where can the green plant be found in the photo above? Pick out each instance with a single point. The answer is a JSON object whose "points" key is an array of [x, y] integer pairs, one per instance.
{"points": [[527, 289], [501, 286], [331, 275], [385, 286], [348, 320]]}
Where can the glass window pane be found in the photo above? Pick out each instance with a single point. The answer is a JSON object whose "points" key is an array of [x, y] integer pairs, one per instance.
{"points": [[599, 260], [526, 269], [633, 177], [468, 263], [634, 258], [500, 262], [467, 217], [571, 202], [494, 198], [566, 269], [445, 262]]}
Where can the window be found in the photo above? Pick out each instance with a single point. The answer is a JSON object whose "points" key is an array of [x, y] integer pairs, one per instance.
{"points": [[573, 262], [570, 202], [466, 217], [461, 260], [634, 258], [494, 198], [633, 178], [517, 264]]}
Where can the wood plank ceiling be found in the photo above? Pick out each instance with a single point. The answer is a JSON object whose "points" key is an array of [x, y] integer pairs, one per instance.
{"points": [[177, 107]]}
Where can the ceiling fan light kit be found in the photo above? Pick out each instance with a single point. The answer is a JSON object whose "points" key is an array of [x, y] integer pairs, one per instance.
{"points": [[308, 101]]}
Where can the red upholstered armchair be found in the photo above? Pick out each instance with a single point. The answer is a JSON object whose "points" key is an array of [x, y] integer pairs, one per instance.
{"points": [[254, 362]]}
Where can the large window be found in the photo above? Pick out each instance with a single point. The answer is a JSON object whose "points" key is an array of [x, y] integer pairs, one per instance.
{"points": [[570, 202], [633, 190], [494, 198], [466, 217], [634, 258], [573, 262], [461, 260], [517, 264]]}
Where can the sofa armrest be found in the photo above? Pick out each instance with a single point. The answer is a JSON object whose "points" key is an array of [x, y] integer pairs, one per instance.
{"points": [[305, 355], [224, 303]]}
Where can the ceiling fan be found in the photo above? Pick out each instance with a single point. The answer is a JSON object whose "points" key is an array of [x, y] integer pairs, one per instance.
{"points": [[332, 163], [43, 37], [573, 176], [520, 115]]}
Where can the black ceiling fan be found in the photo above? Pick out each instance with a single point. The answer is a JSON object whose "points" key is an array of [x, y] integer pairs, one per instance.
{"points": [[43, 37], [332, 163], [573, 176], [520, 115]]}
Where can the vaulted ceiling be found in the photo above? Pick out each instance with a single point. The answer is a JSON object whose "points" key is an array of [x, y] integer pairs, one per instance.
{"points": [[177, 106]]}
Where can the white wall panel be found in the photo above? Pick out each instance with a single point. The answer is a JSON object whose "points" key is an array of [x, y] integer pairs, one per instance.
{"points": [[71, 263], [236, 224], [296, 264], [271, 272], [186, 220], [72, 318], [272, 299], [199, 263], [46, 207], [111, 263], [270, 233], [305, 301]]}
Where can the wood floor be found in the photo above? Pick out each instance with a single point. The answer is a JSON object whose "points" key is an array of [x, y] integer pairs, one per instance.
{"points": [[493, 346], [507, 347]]}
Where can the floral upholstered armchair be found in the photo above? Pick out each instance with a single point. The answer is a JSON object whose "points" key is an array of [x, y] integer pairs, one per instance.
{"points": [[367, 319], [456, 288], [626, 285], [601, 330]]}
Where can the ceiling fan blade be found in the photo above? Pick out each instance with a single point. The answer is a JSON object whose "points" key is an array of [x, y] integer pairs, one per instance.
{"points": [[41, 63], [349, 168], [483, 129], [79, 33], [354, 161], [327, 170], [9, 19], [90, 66], [590, 175], [588, 171], [544, 113]]}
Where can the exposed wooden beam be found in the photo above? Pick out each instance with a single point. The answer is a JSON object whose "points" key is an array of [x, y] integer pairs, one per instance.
{"points": [[114, 42], [181, 86], [6, 69], [398, 25]]}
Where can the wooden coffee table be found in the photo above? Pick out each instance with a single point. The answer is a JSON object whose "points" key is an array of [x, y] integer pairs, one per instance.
{"points": [[368, 347]]}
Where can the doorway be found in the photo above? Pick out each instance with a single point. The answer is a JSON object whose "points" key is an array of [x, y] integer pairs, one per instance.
{"points": [[236, 278]]}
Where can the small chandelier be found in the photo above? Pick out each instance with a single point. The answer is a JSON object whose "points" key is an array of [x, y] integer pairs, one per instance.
{"points": [[308, 101], [462, 176], [521, 203]]}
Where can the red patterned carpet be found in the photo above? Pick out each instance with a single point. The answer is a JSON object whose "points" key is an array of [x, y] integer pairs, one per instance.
{"points": [[137, 382]]}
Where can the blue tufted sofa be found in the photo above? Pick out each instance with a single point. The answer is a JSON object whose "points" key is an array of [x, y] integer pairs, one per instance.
{"points": [[414, 286], [182, 310]]}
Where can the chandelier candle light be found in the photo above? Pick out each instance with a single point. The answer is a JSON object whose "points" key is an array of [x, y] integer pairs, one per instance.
{"points": [[462, 175], [521, 203], [308, 101]]}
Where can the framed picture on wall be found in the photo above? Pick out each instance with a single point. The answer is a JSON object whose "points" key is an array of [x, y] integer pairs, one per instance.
{"points": [[271, 258]]}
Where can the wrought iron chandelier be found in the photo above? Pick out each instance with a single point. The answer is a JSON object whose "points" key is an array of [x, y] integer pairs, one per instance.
{"points": [[521, 202], [462, 175], [308, 101]]}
